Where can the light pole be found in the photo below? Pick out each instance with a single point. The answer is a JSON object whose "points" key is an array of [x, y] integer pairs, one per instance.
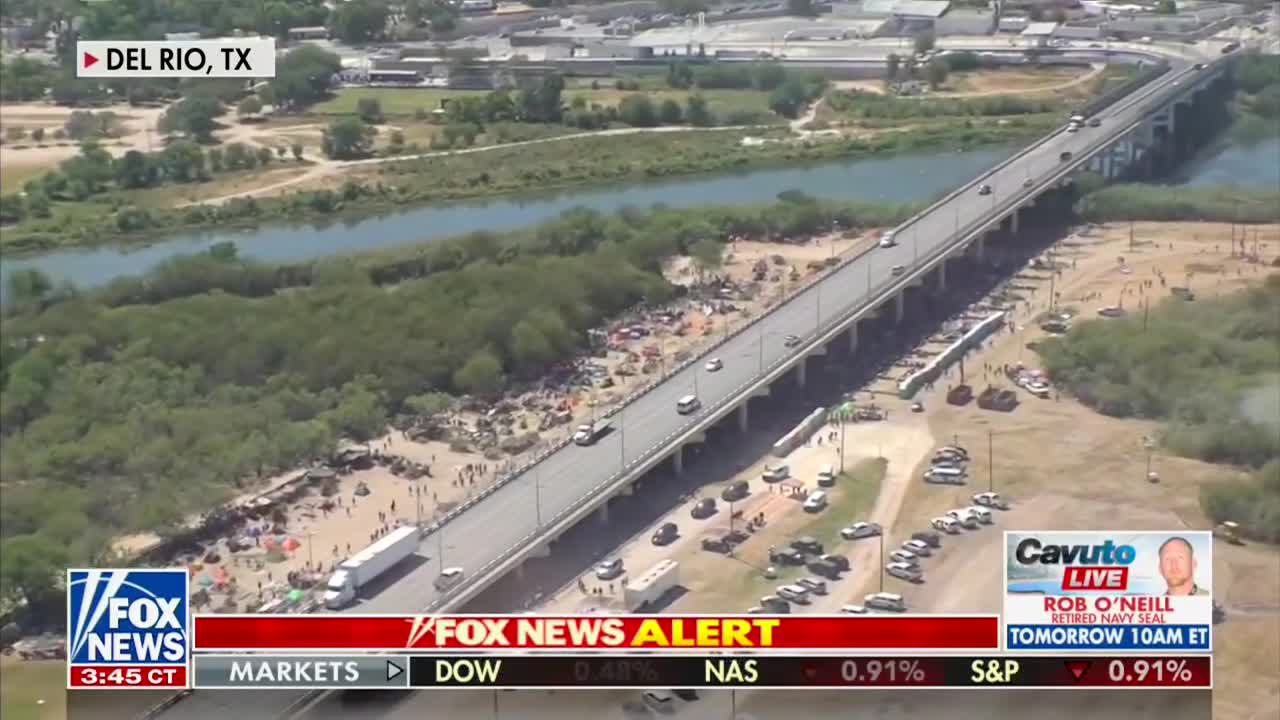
{"points": [[991, 460], [622, 439], [842, 424], [537, 495], [881, 537], [915, 242]]}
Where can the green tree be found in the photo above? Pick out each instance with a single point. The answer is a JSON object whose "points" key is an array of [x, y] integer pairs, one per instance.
{"points": [[1167, 7], [37, 134], [369, 110], [892, 65], [135, 170], [789, 98], [296, 149], [15, 133], [937, 72], [23, 79], [303, 76], [708, 256], [480, 375], [193, 117], [397, 140], [696, 111], [27, 285], [637, 110], [669, 113], [265, 156], [251, 105], [183, 161], [32, 569], [431, 403], [358, 21], [347, 138]]}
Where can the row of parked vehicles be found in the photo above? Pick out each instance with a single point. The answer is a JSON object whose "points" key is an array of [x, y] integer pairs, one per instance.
{"points": [[949, 466]]}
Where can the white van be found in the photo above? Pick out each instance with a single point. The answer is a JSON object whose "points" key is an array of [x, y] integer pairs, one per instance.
{"points": [[964, 517], [885, 601], [688, 404], [946, 525], [827, 476], [776, 473]]}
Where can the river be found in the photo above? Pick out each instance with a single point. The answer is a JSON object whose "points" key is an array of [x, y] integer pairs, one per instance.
{"points": [[897, 178]]}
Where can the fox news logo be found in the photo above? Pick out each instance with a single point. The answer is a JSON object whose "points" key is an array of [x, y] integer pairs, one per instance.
{"points": [[127, 617], [1102, 567]]}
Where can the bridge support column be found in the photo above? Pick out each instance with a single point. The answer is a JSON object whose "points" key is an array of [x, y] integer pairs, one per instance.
{"points": [[980, 247], [899, 306], [602, 513], [1013, 221], [677, 460], [802, 373], [743, 416], [853, 337], [942, 275]]}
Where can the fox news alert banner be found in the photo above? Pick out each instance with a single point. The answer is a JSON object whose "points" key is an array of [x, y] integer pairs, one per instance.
{"points": [[1118, 591], [128, 629]]}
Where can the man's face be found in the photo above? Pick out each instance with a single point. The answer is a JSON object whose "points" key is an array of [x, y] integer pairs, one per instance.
{"points": [[1176, 565]]}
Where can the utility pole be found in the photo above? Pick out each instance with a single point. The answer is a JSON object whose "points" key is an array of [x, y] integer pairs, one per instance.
{"points": [[991, 460], [881, 536], [915, 242], [1131, 236], [622, 439]]}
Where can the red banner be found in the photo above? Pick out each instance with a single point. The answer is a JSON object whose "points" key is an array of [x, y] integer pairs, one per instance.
{"points": [[612, 632]]}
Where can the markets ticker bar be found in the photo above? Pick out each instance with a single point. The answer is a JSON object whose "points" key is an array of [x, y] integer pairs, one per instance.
{"points": [[467, 670]]}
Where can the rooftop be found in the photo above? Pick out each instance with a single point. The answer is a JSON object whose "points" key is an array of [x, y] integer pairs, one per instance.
{"points": [[1040, 28]]}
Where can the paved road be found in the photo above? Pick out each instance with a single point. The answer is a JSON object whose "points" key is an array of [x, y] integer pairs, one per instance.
{"points": [[509, 516]]}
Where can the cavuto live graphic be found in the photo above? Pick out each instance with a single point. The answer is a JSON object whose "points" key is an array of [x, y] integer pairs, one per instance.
{"points": [[1109, 590], [128, 629]]}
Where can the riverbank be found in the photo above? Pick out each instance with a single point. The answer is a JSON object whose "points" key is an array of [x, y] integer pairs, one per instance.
{"points": [[1163, 203], [120, 218]]}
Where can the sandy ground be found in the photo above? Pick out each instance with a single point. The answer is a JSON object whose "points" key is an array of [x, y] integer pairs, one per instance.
{"points": [[995, 82], [323, 538], [1064, 466]]}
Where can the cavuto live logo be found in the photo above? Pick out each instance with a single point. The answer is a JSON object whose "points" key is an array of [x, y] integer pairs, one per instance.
{"points": [[128, 628]]}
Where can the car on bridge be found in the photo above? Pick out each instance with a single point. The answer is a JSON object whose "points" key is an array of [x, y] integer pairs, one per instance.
{"points": [[449, 578], [984, 189], [1095, 122], [887, 240], [713, 365], [897, 270], [791, 340]]}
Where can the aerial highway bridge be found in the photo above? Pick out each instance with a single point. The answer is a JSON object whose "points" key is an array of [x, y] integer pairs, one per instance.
{"points": [[520, 517]]}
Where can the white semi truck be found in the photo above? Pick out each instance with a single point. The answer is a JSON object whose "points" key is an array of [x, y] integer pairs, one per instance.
{"points": [[359, 570], [588, 434]]}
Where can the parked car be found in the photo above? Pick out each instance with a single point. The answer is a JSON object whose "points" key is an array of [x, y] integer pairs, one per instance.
{"points": [[609, 569], [807, 544], [816, 501], [704, 508], [794, 593], [839, 561], [860, 530], [932, 539], [904, 556], [991, 499], [776, 604], [666, 534], [853, 610], [946, 524], [885, 601], [786, 556], [917, 548], [736, 491], [904, 571], [813, 585], [776, 473]]}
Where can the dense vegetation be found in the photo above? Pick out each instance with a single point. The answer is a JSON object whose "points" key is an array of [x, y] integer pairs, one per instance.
{"points": [[132, 406], [1200, 204], [1199, 366], [1257, 109], [874, 106]]}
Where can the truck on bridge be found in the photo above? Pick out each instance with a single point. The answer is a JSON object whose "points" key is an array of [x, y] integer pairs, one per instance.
{"points": [[589, 433], [358, 571]]}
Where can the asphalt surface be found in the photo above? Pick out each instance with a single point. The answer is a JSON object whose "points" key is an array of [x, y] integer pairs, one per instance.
{"points": [[509, 517]]}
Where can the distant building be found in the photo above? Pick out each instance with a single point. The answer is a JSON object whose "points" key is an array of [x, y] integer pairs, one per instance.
{"points": [[1013, 23], [310, 32], [1038, 34], [965, 21]]}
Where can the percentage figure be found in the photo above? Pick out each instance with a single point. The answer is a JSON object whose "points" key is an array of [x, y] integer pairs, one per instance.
{"points": [[1178, 670], [644, 670], [910, 670]]}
